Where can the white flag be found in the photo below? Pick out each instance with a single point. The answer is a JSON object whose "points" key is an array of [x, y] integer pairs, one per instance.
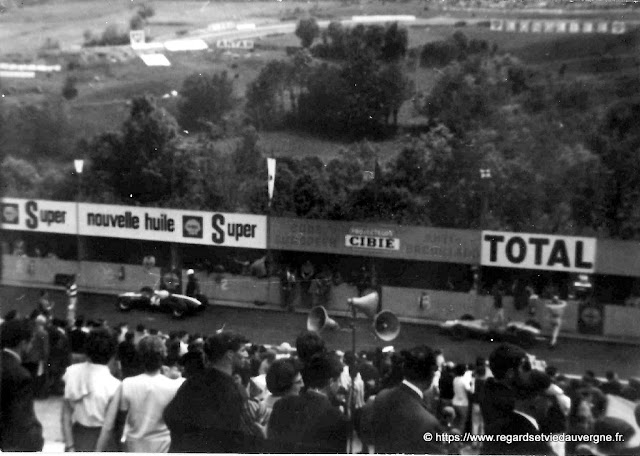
{"points": [[271, 169]]}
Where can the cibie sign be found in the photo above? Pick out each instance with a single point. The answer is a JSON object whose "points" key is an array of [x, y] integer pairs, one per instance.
{"points": [[379, 239], [538, 251]]}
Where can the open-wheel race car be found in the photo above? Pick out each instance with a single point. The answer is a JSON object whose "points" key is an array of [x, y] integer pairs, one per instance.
{"points": [[526, 334], [147, 298]]}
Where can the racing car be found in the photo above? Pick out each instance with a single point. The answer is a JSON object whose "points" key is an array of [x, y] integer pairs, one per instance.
{"points": [[526, 334], [178, 304]]}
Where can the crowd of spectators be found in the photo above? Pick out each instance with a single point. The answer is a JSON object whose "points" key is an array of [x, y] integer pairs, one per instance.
{"points": [[138, 390]]}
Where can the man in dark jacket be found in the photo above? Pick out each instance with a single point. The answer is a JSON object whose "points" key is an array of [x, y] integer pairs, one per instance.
{"points": [[205, 414], [530, 409], [20, 429], [400, 416], [308, 423]]}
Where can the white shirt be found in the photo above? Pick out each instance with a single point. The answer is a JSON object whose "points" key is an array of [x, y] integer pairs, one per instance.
{"points": [[414, 388], [145, 397], [89, 388], [461, 388]]}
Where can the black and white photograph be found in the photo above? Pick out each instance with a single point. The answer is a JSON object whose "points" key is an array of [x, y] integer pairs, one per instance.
{"points": [[322, 226]]}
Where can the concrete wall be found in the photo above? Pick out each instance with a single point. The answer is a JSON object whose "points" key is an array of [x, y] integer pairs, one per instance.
{"points": [[112, 278]]}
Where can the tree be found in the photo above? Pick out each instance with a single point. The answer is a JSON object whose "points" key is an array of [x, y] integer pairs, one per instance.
{"points": [[396, 42], [307, 30], [205, 98]]}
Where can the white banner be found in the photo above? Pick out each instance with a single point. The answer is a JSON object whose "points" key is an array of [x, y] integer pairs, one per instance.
{"points": [[238, 44], [271, 171], [130, 222], [538, 251], [38, 215]]}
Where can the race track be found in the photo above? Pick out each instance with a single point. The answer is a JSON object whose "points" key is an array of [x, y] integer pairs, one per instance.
{"points": [[273, 327]]}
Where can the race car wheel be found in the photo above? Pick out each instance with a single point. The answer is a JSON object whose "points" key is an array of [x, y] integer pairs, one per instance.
{"points": [[124, 305], [459, 332], [178, 313]]}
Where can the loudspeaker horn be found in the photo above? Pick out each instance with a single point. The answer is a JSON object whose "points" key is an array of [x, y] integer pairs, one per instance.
{"points": [[367, 304], [318, 320], [386, 325]]}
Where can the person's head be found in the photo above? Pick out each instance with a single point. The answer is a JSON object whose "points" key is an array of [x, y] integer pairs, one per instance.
{"points": [[129, 337], [140, 328], [619, 431], [152, 352], [100, 345], [611, 375], [79, 323], [551, 371], [460, 370], [242, 374], [17, 335], [321, 371], [284, 378], [531, 395], [153, 331], [506, 362], [192, 363], [265, 361], [309, 344], [225, 350], [439, 358], [419, 365], [11, 315]]}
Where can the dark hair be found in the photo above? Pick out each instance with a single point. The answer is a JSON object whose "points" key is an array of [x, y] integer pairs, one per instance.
{"points": [[153, 332], [129, 336], [151, 353], [79, 322], [419, 364], [11, 315], [193, 363], [140, 327], [460, 370], [505, 357], [217, 345], [244, 371], [551, 371], [281, 376], [309, 344], [610, 375], [320, 369], [12, 332], [100, 345]]}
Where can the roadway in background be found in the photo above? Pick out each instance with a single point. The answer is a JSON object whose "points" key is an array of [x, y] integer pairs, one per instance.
{"points": [[274, 327]]}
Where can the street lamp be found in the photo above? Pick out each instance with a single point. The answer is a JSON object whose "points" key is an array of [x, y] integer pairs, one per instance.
{"points": [[485, 176], [73, 288]]}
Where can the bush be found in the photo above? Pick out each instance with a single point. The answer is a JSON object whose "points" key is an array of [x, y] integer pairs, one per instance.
{"points": [[146, 11], [112, 36], [137, 22]]}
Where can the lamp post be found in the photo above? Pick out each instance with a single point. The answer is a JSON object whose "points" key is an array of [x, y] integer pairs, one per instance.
{"points": [[485, 176], [73, 288]]}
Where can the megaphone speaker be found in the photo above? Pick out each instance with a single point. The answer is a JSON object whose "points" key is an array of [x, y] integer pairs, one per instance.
{"points": [[319, 320], [367, 304], [386, 325]]}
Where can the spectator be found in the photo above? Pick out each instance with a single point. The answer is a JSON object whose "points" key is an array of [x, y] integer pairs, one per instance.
{"points": [[480, 377], [36, 359], [507, 366], [128, 357], [612, 385], [399, 417], [89, 387], [45, 306], [445, 386], [309, 344], [143, 398], [308, 423], [287, 286], [529, 410], [77, 339], [59, 355], [283, 379], [498, 307], [140, 332], [461, 393], [192, 363], [253, 422], [307, 271], [205, 415], [20, 429]]}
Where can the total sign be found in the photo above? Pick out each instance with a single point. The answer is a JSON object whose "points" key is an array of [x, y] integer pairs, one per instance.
{"points": [[538, 251], [37, 215]]}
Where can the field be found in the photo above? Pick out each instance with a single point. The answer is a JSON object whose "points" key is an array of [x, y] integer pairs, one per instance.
{"points": [[109, 77]]}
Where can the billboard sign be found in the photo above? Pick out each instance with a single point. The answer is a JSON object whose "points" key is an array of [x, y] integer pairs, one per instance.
{"points": [[538, 251], [38, 215]]}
